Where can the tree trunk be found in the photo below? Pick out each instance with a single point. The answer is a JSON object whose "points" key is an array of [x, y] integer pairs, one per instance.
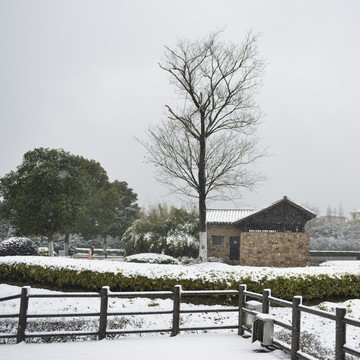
{"points": [[105, 246], [50, 244], [202, 195], [67, 244], [202, 229]]}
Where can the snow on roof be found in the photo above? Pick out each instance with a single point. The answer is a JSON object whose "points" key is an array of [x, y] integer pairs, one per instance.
{"points": [[227, 216]]}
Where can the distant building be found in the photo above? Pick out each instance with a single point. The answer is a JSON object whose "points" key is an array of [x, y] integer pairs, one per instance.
{"points": [[273, 236], [355, 215]]}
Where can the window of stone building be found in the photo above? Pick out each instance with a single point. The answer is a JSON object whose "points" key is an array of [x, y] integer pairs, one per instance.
{"points": [[217, 240]]}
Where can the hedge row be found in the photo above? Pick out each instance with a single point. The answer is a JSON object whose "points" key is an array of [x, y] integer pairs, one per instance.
{"points": [[311, 287], [87, 280]]}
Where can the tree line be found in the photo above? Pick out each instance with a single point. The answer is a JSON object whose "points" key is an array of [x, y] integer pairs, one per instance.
{"points": [[334, 236], [55, 192]]}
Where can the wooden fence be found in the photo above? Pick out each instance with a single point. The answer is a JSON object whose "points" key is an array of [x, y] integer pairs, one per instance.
{"points": [[340, 320], [105, 294]]}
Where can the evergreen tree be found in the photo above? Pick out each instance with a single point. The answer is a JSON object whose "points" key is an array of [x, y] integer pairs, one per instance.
{"points": [[45, 195]]}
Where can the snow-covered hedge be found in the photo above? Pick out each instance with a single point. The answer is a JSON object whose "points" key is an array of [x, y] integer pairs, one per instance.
{"points": [[313, 283], [18, 246], [151, 258]]}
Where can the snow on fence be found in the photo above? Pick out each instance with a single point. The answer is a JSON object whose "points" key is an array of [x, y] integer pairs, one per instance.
{"points": [[242, 308], [341, 349]]}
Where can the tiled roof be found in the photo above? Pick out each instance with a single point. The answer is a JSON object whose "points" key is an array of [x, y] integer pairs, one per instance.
{"points": [[227, 216]]}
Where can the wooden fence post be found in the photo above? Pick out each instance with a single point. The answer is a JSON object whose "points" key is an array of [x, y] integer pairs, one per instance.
{"points": [[242, 299], [340, 334], [266, 302], [176, 310], [295, 332], [24, 303], [104, 299]]}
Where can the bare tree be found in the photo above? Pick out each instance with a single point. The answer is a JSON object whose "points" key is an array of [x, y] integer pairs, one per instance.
{"points": [[206, 145]]}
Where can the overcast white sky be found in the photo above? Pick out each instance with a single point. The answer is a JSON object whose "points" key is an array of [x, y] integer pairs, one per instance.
{"points": [[82, 75]]}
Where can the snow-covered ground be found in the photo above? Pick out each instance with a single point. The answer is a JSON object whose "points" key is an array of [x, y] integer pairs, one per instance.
{"points": [[210, 346], [320, 333], [190, 347], [317, 333]]}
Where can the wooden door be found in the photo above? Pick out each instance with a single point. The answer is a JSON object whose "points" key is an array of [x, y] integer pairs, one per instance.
{"points": [[235, 248]]}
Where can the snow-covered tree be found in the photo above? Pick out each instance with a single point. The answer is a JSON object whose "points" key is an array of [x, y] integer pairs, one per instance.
{"points": [[164, 229]]}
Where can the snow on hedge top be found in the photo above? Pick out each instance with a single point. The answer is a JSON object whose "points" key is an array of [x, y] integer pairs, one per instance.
{"points": [[207, 271], [151, 258]]}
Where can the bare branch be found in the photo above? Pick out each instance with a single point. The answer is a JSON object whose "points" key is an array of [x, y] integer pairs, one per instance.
{"points": [[228, 163], [174, 156], [207, 146]]}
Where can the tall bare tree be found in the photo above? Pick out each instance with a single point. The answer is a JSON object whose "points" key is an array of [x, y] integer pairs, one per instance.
{"points": [[206, 145]]}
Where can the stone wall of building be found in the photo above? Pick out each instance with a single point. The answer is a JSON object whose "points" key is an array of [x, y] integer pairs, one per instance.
{"points": [[227, 231], [274, 249]]}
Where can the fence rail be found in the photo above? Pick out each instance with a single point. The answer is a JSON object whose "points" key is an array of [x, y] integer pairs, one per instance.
{"points": [[177, 295], [103, 314], [340, 322]]}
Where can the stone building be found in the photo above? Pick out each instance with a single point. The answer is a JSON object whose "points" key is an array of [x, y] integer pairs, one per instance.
{"points": [[272, 236], [355, 215]]}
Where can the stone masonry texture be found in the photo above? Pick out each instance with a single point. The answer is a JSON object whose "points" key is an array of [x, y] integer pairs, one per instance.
{"points": [[278, 249]]}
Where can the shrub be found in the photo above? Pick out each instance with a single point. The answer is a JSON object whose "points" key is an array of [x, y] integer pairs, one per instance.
{"points": [[164, 229], [214, 259], [310, 344], [18, 246], [313, 288], [187, 260], [44, 251], [59, 325], [151, 258]]}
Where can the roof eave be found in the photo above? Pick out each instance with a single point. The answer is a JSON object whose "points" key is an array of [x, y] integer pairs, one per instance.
{"points": [[309, 214]]}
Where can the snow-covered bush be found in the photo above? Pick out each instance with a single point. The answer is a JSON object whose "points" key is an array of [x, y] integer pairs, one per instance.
{"points": [[214, 259], [151, 258], [18, 246], [310, 344], [186, 260], [164, 229], [62, 325], [313, 283], [43, 251]]}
